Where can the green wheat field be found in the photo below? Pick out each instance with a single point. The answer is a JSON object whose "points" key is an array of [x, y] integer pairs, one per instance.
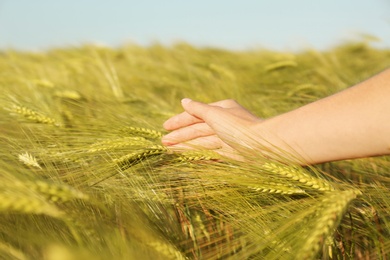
{"points": [[84, 175]]}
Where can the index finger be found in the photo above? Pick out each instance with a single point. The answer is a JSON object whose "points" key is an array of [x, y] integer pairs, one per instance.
{"points": [[185, 119], [180, 120]]}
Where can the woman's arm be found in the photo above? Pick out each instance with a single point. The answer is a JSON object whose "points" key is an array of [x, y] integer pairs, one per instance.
{"points": [[353, 123]]}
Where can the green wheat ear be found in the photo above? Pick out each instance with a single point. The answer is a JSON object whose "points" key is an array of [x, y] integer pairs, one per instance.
{"points": [[27, 204], [142, 132], [277, 188], [299, 175], [327, 217], [135, 158], [56, 192], [196, 155], [32, 115]]}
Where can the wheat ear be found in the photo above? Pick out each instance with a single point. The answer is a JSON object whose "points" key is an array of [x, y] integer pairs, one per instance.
{"points": [[277, 188], [33, 115], [131, 159], [56, 192], [142, 132], [25, 203], [331, 211], [29, 160], [298, 175], [190, 156], [53, 191]]}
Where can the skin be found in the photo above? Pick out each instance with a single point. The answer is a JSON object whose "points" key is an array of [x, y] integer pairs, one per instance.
{"points": [[353, 123]]}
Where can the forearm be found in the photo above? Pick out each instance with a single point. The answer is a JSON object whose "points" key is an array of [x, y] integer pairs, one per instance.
{"points": [[351, 124]]}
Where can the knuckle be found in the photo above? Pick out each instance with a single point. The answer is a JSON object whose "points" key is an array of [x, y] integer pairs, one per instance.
{"points": [[229, 102]]}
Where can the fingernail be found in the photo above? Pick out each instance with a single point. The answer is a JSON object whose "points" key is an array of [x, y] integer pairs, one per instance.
{"points": [[185, 101]]}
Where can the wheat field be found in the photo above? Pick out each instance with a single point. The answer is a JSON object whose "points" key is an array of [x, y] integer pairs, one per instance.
{"points": [[84, 174]]}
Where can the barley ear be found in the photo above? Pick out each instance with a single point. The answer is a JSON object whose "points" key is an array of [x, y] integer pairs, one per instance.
{"points": [[33, 116], [332, 208], [142, 132], [27, 204], [132, 159], [202, 155], [299, 175]]}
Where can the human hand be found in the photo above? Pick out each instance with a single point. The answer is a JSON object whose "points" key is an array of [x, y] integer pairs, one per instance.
{"points": [[223, 126]]}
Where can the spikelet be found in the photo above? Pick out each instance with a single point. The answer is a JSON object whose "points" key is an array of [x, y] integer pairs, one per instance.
{"points": [[119, 143], [276, 188], [33, 116], [131, 159], [331, 211], [29, 160], [142, 132], [53, 191], [298, 175]]}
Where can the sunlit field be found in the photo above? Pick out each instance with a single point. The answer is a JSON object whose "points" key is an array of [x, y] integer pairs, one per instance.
{"points": [[84, 175]]}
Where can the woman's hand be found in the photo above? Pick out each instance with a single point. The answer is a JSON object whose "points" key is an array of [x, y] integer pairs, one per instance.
{"points": [[222, 126]]}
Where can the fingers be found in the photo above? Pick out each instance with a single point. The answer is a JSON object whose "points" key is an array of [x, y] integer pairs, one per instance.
{"points": [[187, 133], [211, 142], [201, 110], [180, 120], [186, 119], [208, 143]]}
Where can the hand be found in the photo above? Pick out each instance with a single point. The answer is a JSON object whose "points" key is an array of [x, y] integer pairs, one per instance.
{"points": [[223, 126]]}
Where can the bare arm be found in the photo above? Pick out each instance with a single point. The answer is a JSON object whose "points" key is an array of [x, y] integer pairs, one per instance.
{"points": [[353, 123]]}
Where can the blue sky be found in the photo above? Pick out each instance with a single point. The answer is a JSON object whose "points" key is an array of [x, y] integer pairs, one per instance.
{"points": [[239, 24]]}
